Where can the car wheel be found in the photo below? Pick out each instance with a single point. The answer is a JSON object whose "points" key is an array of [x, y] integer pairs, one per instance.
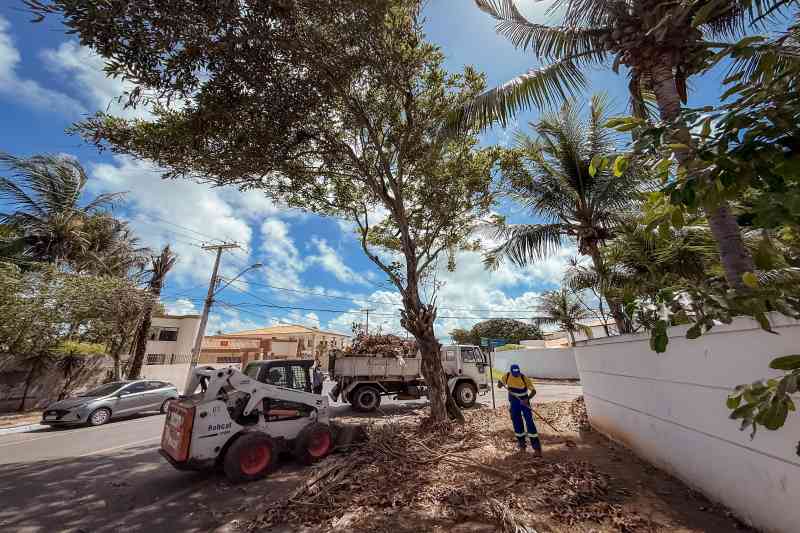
{"points": [[165, 405], [250, 457], [99, 417], [465, 394], [366, 399], [313, 443]]}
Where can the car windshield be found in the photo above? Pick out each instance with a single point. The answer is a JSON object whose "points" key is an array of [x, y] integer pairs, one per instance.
{"points": [[103, 390]]}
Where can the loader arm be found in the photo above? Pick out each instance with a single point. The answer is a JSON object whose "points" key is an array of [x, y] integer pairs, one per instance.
{"points": [[218, 379]]}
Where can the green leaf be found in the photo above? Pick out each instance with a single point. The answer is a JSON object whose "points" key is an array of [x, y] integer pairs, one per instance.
{"points": [[596, 160], [694, 331], [677, 146], [677, 218], [744, 411], [733, 401], [787, 362], [620, 164], [763, 321], [774, 417], [706, 130], [750, 279]]}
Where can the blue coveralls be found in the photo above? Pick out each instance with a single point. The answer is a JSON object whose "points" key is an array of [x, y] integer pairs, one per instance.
{"points": [[521, 411]]}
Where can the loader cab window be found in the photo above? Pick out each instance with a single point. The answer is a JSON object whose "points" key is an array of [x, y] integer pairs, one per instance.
{"points": [[252, 371], [278, 375]]}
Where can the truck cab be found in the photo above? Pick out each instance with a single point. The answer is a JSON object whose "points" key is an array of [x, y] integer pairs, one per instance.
{"points": [[467, 370]]}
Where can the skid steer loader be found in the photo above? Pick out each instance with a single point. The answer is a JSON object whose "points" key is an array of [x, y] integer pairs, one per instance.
{"points": [[243, 421]]}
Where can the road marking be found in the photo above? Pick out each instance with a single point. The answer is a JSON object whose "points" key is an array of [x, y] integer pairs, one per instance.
{"points": [[63, 433], [120, 446]]}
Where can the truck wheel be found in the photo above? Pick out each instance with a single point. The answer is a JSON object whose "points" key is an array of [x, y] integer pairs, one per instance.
{"points": [[365, 398], [465, 394], [250, 457], [313, 443]]}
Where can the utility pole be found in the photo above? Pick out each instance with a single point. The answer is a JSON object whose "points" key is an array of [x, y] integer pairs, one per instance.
{"points": [[212, 284], [367, 310]]}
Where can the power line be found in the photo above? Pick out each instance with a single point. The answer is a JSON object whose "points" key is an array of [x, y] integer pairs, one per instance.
{"points": [[381, 302]]}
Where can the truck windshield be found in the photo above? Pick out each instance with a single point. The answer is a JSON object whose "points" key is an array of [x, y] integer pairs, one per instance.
{"points": [[471, 354]]}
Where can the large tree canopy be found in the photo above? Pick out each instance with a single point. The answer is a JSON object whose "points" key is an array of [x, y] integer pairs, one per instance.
{"points": [[512, 331], [335, 107]]}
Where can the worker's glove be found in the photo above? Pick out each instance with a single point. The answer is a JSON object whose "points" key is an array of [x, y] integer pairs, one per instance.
{"points": [[499, 384], [531, 395]]}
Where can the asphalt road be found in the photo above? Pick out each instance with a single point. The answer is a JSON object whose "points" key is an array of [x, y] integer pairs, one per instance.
{"points": [[111, 478]]}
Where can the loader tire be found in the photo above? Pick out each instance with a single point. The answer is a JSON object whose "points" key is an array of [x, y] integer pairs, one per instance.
{"points": [[465, 394], [313, 443], [250, 457], [365, 398]]}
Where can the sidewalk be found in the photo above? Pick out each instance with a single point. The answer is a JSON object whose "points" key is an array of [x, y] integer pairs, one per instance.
{"points": [[15, 422]]}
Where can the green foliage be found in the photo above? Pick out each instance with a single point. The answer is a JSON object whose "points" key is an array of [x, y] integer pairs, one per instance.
{"points": [[767, 403], [507, 347], [49, 222], [513, 331]]}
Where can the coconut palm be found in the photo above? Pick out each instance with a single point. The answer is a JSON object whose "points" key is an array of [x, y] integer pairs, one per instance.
{"points": [[111, 248], [561, 308], [49, 217], [662, 43], [573, 202], [161, 265]]}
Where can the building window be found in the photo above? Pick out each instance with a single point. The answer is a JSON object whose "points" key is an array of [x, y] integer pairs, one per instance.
{"points": [[223, 343], [229, 360], [156, 359], [168, 334]]}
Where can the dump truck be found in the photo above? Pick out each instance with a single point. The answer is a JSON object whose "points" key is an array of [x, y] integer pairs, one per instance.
{"points": [[363, 380]]}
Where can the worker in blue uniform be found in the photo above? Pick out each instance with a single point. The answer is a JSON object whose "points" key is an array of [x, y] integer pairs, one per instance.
{"points": [[520, 391]]}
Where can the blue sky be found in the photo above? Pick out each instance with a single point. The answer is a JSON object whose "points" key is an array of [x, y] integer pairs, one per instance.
{"points": [[47, 82]]}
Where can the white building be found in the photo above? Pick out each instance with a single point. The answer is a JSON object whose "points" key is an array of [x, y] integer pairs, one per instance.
{"points": [[171, 339]]}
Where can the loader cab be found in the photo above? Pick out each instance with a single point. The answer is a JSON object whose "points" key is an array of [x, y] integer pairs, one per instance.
{"points": [[288, 373]]}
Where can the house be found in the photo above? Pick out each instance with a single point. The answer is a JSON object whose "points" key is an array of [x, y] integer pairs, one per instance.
{"points": [[310, 342], [239, 349], [171, 339]]}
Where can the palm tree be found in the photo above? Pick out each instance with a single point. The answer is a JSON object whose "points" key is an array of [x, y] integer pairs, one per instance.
{"points": [[161, 266], [662, 43], [111, 248], [49, 217], [560, 308], [573, 201]]}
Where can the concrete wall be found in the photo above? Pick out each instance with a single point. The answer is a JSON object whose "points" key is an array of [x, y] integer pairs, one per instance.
{"points": [[541, 363], [175, 374], [670, 409]]}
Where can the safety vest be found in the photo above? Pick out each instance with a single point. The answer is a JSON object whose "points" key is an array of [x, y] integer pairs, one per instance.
{"points": [[519, 386]]}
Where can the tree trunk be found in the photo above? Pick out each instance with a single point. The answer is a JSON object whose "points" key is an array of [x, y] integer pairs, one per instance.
{"points": [[418, 320], [28, 381], [624, 325], [735, 258], [571, 337], [141, 344]]}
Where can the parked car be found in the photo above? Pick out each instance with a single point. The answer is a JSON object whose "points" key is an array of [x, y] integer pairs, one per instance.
{"points": [[112, 400]]}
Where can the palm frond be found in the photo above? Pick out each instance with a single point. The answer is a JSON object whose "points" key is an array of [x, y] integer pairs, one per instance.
{"points": [[524, 243], [544, 41], [543, 87]]}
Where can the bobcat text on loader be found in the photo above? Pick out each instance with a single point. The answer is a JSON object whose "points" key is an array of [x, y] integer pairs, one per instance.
{"points": [[243, 421]]}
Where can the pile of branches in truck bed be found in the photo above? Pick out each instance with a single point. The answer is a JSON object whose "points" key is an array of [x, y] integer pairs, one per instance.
{"points": [[409, 477], [381, 346]]}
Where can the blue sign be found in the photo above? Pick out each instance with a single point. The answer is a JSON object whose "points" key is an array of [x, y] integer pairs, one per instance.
{"points": [[494, 343]]}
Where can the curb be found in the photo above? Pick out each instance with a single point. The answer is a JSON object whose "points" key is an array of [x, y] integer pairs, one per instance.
{"points": [[21, 429]]}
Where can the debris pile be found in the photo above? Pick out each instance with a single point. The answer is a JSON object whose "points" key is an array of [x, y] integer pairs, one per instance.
{"points": [[409, 478], [381, 346], [565, 416]]}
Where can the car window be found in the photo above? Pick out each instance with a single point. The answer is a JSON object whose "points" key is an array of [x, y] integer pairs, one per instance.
{"points": [[136, 387], [104, 390], [154, 385]]}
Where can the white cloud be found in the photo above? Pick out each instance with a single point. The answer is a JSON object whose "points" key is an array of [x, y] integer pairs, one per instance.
{"points": [[27, 91], [330, 260], [181, 306], [84, 68], [179, 213], [283, 264]]}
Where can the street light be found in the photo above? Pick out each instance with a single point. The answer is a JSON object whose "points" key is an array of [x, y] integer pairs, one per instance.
{"points": [[201, 331]]}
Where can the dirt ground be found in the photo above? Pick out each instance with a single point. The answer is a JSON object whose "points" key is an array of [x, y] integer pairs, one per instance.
{"points": [[471, 479], [20, 419]]}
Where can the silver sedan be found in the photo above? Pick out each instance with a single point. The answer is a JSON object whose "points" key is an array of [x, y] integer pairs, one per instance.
{"points": [[112, 400]]}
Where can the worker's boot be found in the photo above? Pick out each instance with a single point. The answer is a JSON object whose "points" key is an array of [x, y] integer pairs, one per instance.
{"points": [[536, 452]]}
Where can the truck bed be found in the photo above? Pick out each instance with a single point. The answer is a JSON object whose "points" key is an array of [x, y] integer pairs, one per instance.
{"points": [[377, 368]]}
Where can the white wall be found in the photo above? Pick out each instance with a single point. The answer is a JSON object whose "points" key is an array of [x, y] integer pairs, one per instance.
{"points": [[175, 374], [670, 409], [540, 363]]}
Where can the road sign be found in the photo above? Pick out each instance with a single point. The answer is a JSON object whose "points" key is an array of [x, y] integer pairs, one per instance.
{"points": [[484, 342], [494, 343]]}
